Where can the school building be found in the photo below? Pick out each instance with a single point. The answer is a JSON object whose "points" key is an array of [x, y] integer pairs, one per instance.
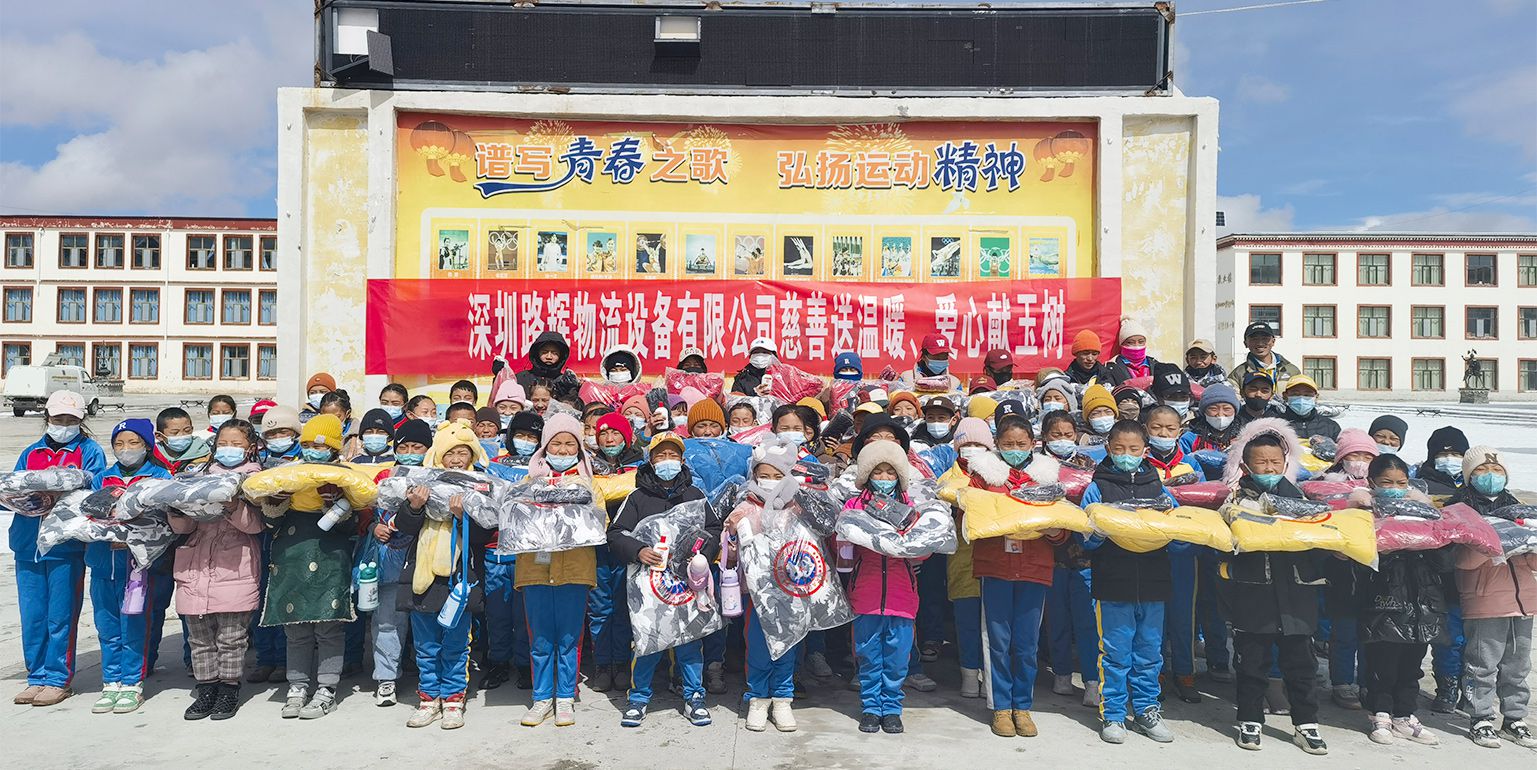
{"points": [[1372, 314], [166, 304]]}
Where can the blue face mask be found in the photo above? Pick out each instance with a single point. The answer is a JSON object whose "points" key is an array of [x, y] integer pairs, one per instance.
{"points": [[1384, 449], [667, 470], [178, 444], [613, 451], [793, 437], [375, 444], [312, 455], [314, 400], [1266, 481], [1162, 444], [1015, 457], [939, 428], [1302, 405], [229, 456], [884, 486], [524, 447], [1489, 484], [279, 446], [1062, 447], [561, 463], [395, 412], [216, 421], [506, 420], [938, 367], [1450, 465], [1181, 408], [1391, 493], [1126, 463], [1101, 424], [409, 459], [1052, 406]]}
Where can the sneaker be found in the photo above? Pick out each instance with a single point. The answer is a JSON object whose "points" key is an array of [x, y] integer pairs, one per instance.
{"points": [[715, 678], [1062, 684], [203, 697], [816, 663], [1447, 693], [430, 710], [107, 700], [971, 683], [921, 682], [1409, 727], [295, 701], [321, 703], [1003, 723], [696, 712], [1483, 734], [260, 674], [869, 723], [1307, 738], [1275, 698], [1347, 696], [1517, 731], [1382, 728], [496, 675], [228, 702], [565, 712], [783, 715], [1113, 732], [930, 651], [1184, 688], [453, 714], [891, 724], [1091, 694], [1222, 675], [1150, 723], [634, 713], [51, 696], [129, 698], [24, 698], [757, 714], [1024, 724], [538, 712], [602, 680], [1249, 735]]}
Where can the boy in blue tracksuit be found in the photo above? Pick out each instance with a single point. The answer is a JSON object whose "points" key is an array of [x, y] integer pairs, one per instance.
{"points": [[1130, 590], [126, 656], [50, 588]]}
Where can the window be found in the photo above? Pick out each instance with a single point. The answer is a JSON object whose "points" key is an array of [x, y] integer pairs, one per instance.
{"points": [[1427, 322], [18, 305], [1264, 269], [72, 250], [109, 306], [109, 251], [18, 249], [235, 362], [146, 306], [1372, 270], [266, 362], [1483, 323], [1526, 375], [269, 252], [71, 306], [202, 252], [1481, 270], [1428, 270], [17, 354], [1429, 374], [1526, 323], [71, 353], [1318, 269], [1526, 270], [199, 306], [1374, 321], [143, 361], [1270, 314], [197, 362], [1321, 369], [107, 360], [267, 314], [1318, 320], [237, 306], [1374, 374], [146, 252], [237, 252], [1488, 375]]}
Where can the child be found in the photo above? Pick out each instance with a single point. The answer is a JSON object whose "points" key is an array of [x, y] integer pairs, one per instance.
{"points": [[743, 417], [1059, 441], [126, 657], [280, 445], [221, 409], [488, 429], [883, 592], [1402, 607], [508, 400], [1216, 425], [1056, 396], [429, 574], [1099, 415], [464, 391], [661, 484], [460, 410], [522, 438], [375, 435], [177, 444], [608, 618], [617, 450], [1164, 424], [1498, 603], [423, 408], [48, 587], [1356, 450], [392, 399], [1131, 590], [1270, 598], [1442, 469], [218, 581], [1353, 458], [555, 585], [318, 385], [705, 419], [791, 428], [1301, 396], [413, 439]]}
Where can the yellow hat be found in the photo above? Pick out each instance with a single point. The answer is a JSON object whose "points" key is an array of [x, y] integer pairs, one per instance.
{"points": [[869, 407], [322, 428], [450, 435], [981, 407], [815, 404], [1096, 396], [1301, 379], [666, 437]]}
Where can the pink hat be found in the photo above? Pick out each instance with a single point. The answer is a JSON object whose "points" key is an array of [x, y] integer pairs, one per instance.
{"points": [[1354, 440], [973, 430], [66, 402], [509, 390]]}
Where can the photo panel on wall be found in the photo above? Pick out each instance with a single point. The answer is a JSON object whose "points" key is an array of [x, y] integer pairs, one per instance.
{"points": [[749, 255], [701, 253], [452, 251], [653, 249], [896, 260], [552, 256], [848, 258], [945, 255], [995, 258], [504, 255], [600, 255], [799, 254]]}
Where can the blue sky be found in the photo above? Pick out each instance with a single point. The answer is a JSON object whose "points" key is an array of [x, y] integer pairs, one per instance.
{"points": [[1342, 114]]}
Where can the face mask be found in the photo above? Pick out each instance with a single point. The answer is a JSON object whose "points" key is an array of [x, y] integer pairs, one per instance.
{"points": [[1180, 407], [1266, 481], [1451, 465], [938, 367], [638, 423], [178, 444], [1256, 404], [217, 421], [761, 360], [1016, 457], [1355, 469], [884, 486], [395, 412], [1062, 447], [1163, 444], [734, 431], [938, 429], [612, 451], [972, 452], [848, 376], [1302, 405], [792, 437], [1135, 355], [229, 456], [409, 459], [1489, 484], [505, 421], [131, 458], [1001, 377], [561, 463], [312, 455], [1052, 406], [524, 447], [1391, 493], [63, 434], [1126, 463], [376, 444], [667, 470], [1101, 424], [1384, 449], [279, 446], [1220, 422], [680, 421], [314, 400], [620, 377]]}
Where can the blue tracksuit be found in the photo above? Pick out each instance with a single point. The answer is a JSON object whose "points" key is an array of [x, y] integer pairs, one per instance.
{"points": [[1131, 655], [1070, 606], [128, 642], [688, 660], [1012, 611], [555, 634], [50, 589], [968, 631], [767, 677], [442, 655], [883, 644], [608, 614], [506, 623]]}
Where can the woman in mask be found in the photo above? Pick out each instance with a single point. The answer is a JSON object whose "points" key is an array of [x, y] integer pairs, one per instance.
{"points": [[1131, 359], [392, 399], [315, 388], [762, 354]]}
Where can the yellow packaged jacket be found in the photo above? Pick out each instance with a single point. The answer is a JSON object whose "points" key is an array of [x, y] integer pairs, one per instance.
{"points": [[615, 488], [1147, 529], [1313, 464], [1349, 531], [990, 514], [303, 479]]}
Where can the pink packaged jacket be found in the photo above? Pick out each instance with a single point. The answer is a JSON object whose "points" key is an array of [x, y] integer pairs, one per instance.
{"points": [[218, 568]]}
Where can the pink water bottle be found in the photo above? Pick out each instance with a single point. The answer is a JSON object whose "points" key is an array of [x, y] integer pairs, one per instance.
{"points": [[134, 594]]}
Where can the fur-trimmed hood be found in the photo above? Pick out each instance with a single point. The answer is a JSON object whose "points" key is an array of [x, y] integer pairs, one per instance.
{"points": [[995, 472], [1234, 471], [877, 452]]}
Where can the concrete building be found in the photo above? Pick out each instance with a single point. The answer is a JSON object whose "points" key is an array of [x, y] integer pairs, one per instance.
{"points": [[168, 305], [1366, 314]]}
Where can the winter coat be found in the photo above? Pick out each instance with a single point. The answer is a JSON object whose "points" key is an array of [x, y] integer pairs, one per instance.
{"points": [[1270, 593], [1200, 435], [747, 380], [879, 584], [564, 385], [1280, 371], [577, 566], [1313, 424], [218, 566], [83, 453], [310, 573], [1099, 373], [1437, 483], [991, 558], [1490, 590], [960, 577], [409, 523], [1243, 418], [112, 558], [651, 497], [1484, 505], [1175, 465], [1407, 598], [1119, 575], [1121, 372], [1209, 376]]}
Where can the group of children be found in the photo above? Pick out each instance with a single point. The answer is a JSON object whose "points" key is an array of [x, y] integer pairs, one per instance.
{"points": [[1127, 622]]}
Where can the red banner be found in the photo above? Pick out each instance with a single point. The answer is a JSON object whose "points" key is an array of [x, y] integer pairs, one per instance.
{"points": [[451, 328]]}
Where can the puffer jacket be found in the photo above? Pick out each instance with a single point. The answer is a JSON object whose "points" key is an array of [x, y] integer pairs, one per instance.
{"points": [[1407, 598], [1035, 561], [409, 523], [218, 566], [879, 584], [1270, 593], [578, 566], [1490, 590]]}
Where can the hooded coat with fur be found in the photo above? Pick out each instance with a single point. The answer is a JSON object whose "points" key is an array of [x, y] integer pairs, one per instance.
{"points": [[879, 584], [991, 557]]}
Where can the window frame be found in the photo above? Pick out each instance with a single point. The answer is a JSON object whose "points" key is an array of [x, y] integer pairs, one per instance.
{"points": [[1521, 364], [96, 292], [185, 373], [5, 365], [5, 297], [1494, 325], [85, 304], [31, 249], [256, 314], [86, 262], [1494, 270], [227, 346], [1386, 387], [1413, 331], [159, 251], [213, 264], [84, 351], [1280, 267], [1387, 325], [1280, 317], [1334, 321], [1441, 265], [1334, 368], [186, 307], [1414, 383], [122, 256], [131, 304], [95, 346], [261, 248], [1521, 282], [250, 311], [250, 253], [128, 370], [1521, 322], [1387, 268], [256, 371], [1491, 372], [1334, 265]]}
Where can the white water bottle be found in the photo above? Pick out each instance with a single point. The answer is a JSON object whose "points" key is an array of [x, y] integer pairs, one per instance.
{"points": [[334, 515], [663, 550], [730, 594]]}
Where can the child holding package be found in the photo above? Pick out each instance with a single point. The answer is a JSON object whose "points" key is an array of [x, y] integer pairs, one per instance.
{"points": [[387, 626]]}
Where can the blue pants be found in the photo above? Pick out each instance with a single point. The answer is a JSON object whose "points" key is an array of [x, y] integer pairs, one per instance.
{"points": [[689, 662], [162, 588], [1179, 621], [124, 639], [766, 677], [608, 613], [968, 631], [506, 624], [555, 615], [1446, 659], [1209, 614], [884, 644], [1070, 620], [49, 594], [442, 655], [269, 642], [1012, 611], [1130, 657], [1345, 653]]}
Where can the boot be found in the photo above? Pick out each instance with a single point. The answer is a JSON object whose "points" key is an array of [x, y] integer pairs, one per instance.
{"points": [[602, 679], [525, 678], [227, 702], [621, 677], [1091, 694], [784, 716], [1448, 690], [1003, 723], [203, 696], [1184, 687], [1024, 724], [757, 714], [453, 713], [971, 683]]}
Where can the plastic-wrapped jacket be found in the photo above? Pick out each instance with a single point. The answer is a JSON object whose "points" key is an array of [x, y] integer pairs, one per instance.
{"points": [[303, 480], [929, 530], [714, 461], [1144, 528], [664, 611], [200, 497], [86, 517], [542, 517], [33, 493], [790, 580], [482, 495]]}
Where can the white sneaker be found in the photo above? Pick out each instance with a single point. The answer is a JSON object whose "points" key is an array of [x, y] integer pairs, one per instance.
{"points": [[1409, 727], [384, 693], [1091, 694], [971, 683], [784, 717], [565, 712], [757, 714], [538, 712], [816, 663], [1063, 684], [1382, 728]]}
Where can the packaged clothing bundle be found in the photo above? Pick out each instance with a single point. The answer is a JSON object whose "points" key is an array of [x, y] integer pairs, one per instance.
{"points": [[664, 611], [711, 384], [303, 481], [1074, 480], [200, 497], [791, 384], [482, 495], [715, 461], [34, 493], [1206, 494], [1410, 525], [543, 517], [991, 514], [1288, 524], [1141, 526], [87, 517], [1518, 535], [1212, 461], [791, 580], [1335, 493], [893, 528], [938, 384], [1317, 453], [612, 396]]}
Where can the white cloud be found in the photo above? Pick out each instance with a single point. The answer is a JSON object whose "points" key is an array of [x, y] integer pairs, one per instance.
{"points": [[1501, 106], [1446, 220], [1262, 90], [1246, 214]]}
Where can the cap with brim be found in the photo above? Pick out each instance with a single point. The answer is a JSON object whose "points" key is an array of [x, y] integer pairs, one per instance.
{"points": [[939, 402], [1204, 346]]}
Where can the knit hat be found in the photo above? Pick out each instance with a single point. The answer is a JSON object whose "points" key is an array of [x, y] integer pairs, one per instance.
{"points": [[1219, 393], [1480, 455], [450, 436], [639, 402], [1096, 396], [558, 423], [280, 417], [848, 361], [814, 405], [973, 431], [706, 410], [377, 419], [488, 414], [138, 426], [674, 401], [509, 390], [615, 421], [1010, 408], [66, 402], [1130, 327], [888, 453], [527, 422], [774, 452], [260, 408], [1447, 439], [322, 379], [1354, 440], [1392, 424], [981, 407], [322, 428], [414, 432], [903, 396], [666, 437], [1086, 340], [1061, 386]]}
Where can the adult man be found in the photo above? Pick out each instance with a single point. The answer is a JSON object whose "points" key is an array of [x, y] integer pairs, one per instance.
{"points": [[1259, 338], [1086, 367], [998, 366]]}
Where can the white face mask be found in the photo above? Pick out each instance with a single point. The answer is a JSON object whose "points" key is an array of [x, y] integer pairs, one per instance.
{"points": [[620, 377], [131, 458], [970, 453], [761, 360], [1221, 422], [63, 434]]}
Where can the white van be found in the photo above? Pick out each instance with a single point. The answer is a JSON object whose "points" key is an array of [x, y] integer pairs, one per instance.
{"points": [[28, 387]]}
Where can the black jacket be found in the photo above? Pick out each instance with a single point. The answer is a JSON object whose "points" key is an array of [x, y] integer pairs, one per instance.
{"points": [[1208, 437], [651, 497], [409, 524], [1119, 373], [747, 380], [564, 385], [1436, 482], [1119, 575], [1244, 418], [1484, 505], [1407, 598], [1099, 373], [1270, 593], [1312, 425]]}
